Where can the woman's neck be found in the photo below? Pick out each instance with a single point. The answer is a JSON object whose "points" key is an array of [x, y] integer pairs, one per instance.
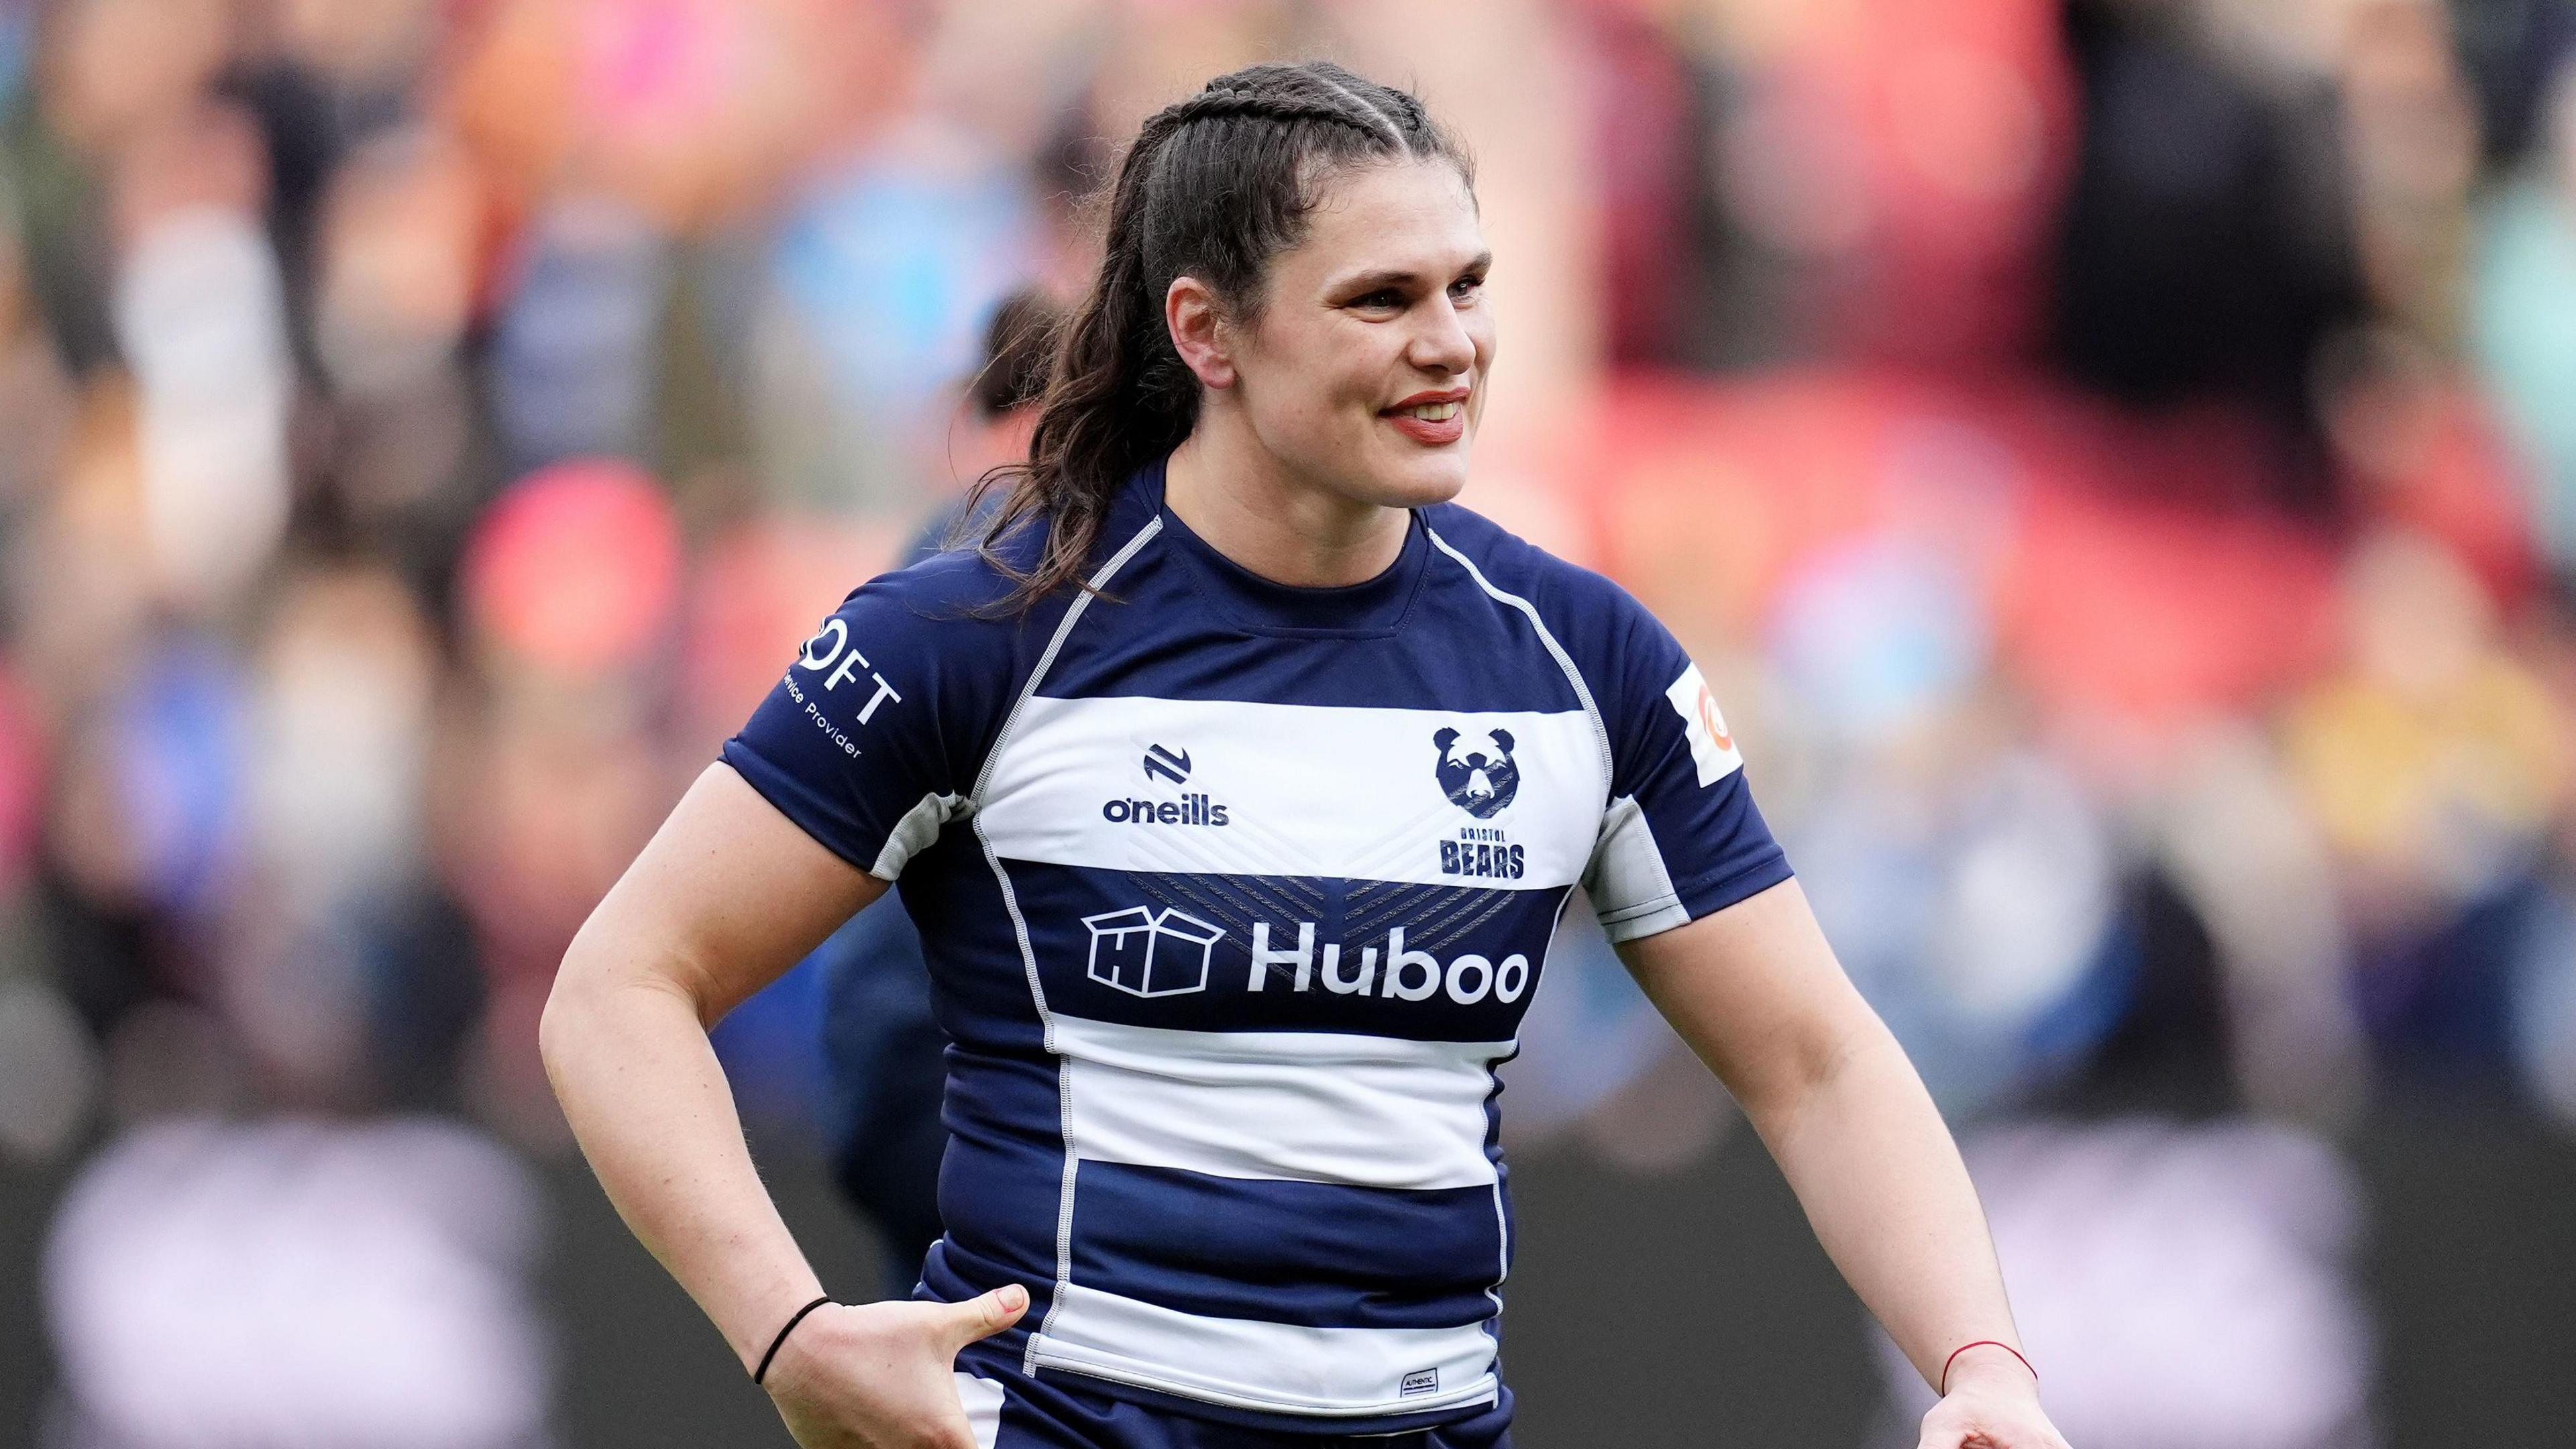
{"points": [[1236, 495]]}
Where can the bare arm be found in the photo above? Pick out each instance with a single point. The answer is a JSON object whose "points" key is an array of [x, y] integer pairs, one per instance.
{"points": [[724, 899], [727, 896], [1757, 993]]}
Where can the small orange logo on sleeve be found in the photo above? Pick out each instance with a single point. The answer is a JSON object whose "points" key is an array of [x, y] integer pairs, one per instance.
{"points": [[1709, 721], [1713, 755]]}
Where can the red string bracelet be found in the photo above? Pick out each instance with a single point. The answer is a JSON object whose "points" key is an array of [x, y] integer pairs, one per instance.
{"points": [[1980, 1343]]}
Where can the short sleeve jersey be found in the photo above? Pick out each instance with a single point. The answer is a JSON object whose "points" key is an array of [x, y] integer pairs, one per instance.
{"points": [[1233, 896]]}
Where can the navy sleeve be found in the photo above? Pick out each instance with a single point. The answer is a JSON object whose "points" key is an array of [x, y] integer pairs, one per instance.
{"points": [[1680, 837], [871, 740]]}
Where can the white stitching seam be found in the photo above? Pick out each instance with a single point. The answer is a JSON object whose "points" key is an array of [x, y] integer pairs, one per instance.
{"points": [[1020, 924], [1564, 661]]}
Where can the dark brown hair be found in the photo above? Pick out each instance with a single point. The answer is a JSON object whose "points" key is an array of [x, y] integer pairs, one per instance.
{"points": [[1015, 366], [1213, 188]]}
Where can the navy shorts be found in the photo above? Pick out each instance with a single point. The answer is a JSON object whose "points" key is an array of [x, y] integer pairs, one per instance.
{"points": [[1012, 1411]]}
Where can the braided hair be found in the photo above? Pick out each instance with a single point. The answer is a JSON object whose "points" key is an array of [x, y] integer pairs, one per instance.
{"points": [[1214, 187]]}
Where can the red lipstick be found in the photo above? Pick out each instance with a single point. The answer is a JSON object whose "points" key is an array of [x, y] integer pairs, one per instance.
{"points": [[1434, 431]]}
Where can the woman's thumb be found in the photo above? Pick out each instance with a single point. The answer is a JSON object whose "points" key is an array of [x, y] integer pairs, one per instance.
{"points": [[989, 1314]]}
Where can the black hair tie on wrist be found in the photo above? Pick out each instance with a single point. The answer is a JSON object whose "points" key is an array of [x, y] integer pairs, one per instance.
{"points": [[780, 1341]]}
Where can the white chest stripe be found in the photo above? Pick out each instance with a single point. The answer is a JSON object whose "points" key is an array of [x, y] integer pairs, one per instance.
{"points": [[1363, 1111], [1306, 790]]}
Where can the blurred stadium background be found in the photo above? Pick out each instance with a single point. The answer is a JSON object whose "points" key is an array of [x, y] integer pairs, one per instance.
{"points": [[2118, 458]]}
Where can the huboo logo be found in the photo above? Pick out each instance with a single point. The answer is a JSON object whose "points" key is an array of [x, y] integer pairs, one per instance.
{"points": [[1410, 975], [1150, 953], [1145, 952]]}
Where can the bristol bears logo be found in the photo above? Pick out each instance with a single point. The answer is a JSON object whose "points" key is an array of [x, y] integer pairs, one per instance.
{"points": [[1477, 770]]}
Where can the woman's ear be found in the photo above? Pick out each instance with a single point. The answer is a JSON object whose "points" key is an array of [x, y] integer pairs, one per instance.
{"points": [[1190, 310]]}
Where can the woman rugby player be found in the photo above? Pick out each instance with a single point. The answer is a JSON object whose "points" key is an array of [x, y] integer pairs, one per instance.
{"points": [[1237, 782]]}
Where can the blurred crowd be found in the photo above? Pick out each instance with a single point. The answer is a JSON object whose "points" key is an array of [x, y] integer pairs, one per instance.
{"points": [[2116, 458]]}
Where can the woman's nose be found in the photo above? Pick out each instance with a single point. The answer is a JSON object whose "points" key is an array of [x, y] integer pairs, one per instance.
{"points": [[1443, 345]]}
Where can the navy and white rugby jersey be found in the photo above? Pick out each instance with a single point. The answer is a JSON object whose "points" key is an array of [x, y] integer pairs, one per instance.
{"points": [[1233, 895]]}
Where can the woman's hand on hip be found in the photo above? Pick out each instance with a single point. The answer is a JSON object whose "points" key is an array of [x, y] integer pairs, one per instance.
{"points": [[882, 1375], [1993, 1403]]}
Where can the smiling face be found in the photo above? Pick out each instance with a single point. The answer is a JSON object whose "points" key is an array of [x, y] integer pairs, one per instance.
{"points": [[1363, 371]]}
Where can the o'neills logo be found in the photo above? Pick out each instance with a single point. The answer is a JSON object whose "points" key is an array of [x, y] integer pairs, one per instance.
{"points": [[1191, 809]]}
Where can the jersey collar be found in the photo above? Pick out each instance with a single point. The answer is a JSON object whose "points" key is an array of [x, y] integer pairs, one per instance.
{"points": [[1375, 606]]}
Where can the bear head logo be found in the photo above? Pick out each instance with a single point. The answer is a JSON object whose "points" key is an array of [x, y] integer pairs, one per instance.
{"points": [[1476, 770]]}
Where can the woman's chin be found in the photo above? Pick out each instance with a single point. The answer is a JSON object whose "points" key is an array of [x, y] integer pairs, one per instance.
{"points": [[1433, 476]]}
